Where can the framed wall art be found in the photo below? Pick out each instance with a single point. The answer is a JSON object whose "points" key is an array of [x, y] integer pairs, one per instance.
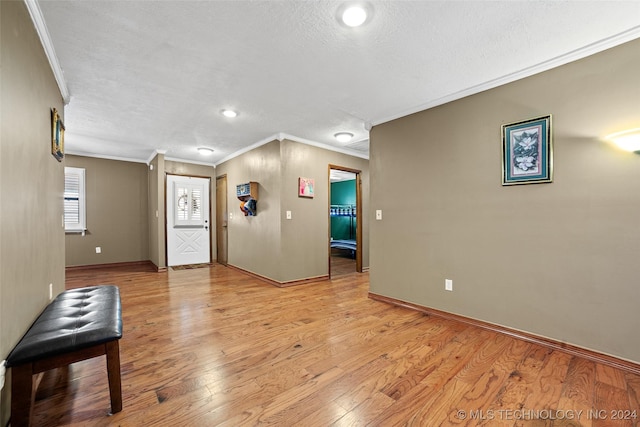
{"points": [[527, 152], [306, 187], [57, 135]]}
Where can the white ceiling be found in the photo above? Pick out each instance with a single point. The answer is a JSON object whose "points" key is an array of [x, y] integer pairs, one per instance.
{"points": [[336, 175], [154, 75]]}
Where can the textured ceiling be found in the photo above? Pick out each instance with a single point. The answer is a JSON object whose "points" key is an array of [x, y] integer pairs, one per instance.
{"points": [[154, 75]]}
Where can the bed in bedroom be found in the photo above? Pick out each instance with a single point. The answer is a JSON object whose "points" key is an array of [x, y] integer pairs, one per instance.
{"points": [[349, 245]]}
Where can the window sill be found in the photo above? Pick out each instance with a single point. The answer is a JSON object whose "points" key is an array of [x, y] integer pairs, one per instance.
{"points": [[83, 232]]}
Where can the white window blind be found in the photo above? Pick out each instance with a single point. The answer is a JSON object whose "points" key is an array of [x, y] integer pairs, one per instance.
{"points": [[74, 200], [188, 205]]}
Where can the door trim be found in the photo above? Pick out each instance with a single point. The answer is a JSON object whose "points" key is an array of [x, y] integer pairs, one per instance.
{"points": [[166, 246], [359, 224], [219, 234]]}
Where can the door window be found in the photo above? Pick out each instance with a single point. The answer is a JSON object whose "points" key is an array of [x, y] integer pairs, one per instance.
{"points": [[188, 205]]}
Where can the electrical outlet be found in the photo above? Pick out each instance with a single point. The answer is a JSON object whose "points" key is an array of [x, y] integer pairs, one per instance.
{"points": [[98, 250], [448, 285], [2, 372]]}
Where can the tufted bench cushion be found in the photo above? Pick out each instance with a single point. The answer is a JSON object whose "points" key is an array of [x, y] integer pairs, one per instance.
{"points": [[75, 319], [78, 324]]}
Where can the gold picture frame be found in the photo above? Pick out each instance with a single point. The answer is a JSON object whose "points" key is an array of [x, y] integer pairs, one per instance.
{"points": [[57, 135]]}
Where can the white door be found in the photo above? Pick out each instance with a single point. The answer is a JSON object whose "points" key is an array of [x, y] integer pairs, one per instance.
{"points": [[188, 236]]}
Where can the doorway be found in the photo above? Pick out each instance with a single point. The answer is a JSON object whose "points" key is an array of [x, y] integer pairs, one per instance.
{"points": [[221, 219], [187, 229], [345, 228]]}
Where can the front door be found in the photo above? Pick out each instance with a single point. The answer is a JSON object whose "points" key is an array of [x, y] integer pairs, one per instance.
{"points": [[188, 235]]}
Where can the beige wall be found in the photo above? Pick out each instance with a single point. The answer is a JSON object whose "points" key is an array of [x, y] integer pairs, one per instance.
{"points": [[122, 200], [254, 243], [204, 171], [269, 244], [117, 213], [305, 236], [558, 260], [31, 182], [156, 212]]}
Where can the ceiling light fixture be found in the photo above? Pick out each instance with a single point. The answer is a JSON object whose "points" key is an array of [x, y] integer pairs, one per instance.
{"points": [[205, 151], [229, 113], [628, 140], [343, 136], [354, 16]]}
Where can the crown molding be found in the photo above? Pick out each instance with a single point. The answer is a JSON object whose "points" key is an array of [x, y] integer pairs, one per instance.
{"points": [[191, 162], [47, 44], [105, 157], [281, 137], [152, 156], [323, 146], [591, 49], [133, 160], [247, 149]]}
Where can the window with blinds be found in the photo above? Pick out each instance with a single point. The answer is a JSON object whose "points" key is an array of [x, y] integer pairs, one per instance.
{"points": [[74, 200], [188, 205]]}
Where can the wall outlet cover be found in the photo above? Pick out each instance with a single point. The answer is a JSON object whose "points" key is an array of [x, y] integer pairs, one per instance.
{"points": [[2, 372]]}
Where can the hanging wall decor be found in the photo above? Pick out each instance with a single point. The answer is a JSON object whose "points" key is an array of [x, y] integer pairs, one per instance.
{"points": [[248, 195], [306, 187], [527, 152], [57, 135]]}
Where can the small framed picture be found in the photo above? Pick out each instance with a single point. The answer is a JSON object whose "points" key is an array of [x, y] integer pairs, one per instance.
{"points": [[57, 135], [527, 152], [305, 187]]}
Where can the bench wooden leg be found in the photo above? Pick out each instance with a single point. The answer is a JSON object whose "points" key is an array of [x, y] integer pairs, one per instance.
{"points": [[21, 395], [113, 372]]}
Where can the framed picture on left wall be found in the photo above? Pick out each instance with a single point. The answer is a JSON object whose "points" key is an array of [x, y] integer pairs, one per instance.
{"points": [[57, 135]]}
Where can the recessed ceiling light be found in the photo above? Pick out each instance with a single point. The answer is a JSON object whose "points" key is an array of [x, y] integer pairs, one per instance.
{"points": [[229, 113], [354, 16], [343, 136], [205, 151]]}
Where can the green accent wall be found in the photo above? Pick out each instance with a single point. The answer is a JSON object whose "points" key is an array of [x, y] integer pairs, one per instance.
{"points": [[343, 193]]}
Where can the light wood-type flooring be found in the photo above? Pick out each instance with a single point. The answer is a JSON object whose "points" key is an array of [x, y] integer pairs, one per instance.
{"points": [[215, 347], [342, 263]]}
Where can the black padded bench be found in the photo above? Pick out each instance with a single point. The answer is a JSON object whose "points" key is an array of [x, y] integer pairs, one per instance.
{"points": [[78, 324]]}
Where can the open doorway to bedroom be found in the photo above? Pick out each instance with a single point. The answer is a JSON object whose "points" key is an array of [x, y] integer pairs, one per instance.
{"points": [[345, 211]]}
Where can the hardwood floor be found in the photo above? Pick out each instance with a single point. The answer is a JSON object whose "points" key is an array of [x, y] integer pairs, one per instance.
{"points": [[212, 346], [342, 262]]}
